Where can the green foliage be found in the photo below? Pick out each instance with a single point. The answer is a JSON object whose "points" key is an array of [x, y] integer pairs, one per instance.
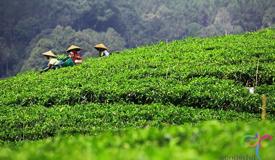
{"points": [[7, 59], [107, 107], [207, 141], [61, 37], [208, 73], [38, 122], [136, 22]]}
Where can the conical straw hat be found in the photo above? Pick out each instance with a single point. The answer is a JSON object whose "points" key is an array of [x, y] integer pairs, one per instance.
{"points": [[49, 54], [73, 47], [101, 46]]}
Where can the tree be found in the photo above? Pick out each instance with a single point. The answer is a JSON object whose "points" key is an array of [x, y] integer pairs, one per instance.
{"points": [[25, 22], [269, 17], [61, 37], [222, 25], [193, 29]]}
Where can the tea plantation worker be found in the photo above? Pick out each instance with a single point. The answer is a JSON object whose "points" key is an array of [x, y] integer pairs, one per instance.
{"points": [[52, 58], [74, 54], [250, 86], [102, 49]]}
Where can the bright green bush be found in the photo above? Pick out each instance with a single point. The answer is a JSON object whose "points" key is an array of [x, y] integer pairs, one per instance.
{"points": [[209, 73], [128, 93], [206, 141], [38, 122]]}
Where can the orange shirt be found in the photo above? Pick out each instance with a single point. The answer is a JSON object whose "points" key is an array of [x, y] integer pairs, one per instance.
{"points": [[75, 56]]}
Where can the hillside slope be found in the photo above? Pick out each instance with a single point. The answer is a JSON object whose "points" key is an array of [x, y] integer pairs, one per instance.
{"points": [[145, 103], [204, 73]]}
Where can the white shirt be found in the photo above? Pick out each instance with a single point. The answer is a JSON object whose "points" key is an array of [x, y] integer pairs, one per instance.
{"points": [[251, 90], [53, 61], [106, 53]]}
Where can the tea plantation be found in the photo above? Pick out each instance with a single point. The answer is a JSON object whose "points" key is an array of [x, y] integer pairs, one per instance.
{"points": [[185, 99]]}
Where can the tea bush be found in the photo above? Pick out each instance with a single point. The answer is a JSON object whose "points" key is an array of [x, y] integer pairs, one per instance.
{"points": [[123, 106], [204, 73], [38, 122], [206, 141]]}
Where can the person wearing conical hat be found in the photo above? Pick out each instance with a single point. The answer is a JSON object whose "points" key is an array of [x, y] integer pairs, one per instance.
{"points": [[52, 58], [74, 54], [102, 49]]}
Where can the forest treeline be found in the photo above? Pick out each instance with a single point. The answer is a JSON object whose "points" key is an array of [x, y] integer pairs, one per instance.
{"points": [[30, 27]]}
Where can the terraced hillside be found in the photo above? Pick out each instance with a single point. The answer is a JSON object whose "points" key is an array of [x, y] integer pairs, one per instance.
{"points": [[134, 97]]}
